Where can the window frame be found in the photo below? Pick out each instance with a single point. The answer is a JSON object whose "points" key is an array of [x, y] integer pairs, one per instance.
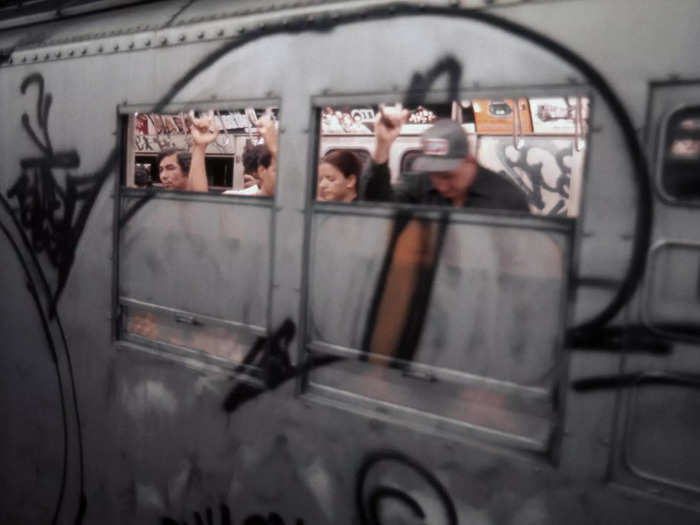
{"points": [[660, 157], [647, 291], [126, 197], [318, 102], [126, 132], [432, 421], [625, 460]]}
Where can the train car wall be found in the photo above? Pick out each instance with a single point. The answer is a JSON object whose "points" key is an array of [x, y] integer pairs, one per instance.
{"points": [[100, 429]]}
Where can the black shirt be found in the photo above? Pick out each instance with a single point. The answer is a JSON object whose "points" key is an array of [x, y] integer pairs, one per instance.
{"points": [[488, 191]]}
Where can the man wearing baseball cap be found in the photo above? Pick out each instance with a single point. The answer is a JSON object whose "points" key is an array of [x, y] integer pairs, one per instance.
{"points": [[447, 173]]}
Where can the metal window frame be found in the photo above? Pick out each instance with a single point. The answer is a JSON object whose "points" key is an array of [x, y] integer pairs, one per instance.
{"points": [[663, 195], [627, 461], [449, 427], [646, 314], [122, 194], [573, 226], [432, 96]]}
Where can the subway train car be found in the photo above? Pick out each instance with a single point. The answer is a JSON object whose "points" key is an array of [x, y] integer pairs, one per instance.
{"points": [[173, 356]]}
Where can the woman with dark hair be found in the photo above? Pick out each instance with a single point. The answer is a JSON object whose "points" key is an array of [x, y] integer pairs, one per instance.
{"points": [[338, 176]]}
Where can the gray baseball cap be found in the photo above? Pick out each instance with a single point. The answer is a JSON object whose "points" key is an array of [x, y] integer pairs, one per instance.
{"points": [[444, 147]]}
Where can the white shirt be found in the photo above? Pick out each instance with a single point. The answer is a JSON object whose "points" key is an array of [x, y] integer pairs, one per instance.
{"points": [[253, 190]]}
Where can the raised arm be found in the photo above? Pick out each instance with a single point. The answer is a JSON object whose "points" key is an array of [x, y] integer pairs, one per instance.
{"points": [[387, 127], [268, 175], [376, 183], [268, 131], [204, 131]]}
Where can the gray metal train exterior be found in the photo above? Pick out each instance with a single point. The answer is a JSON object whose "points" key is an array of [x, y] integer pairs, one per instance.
{"points": [[173, 357]]}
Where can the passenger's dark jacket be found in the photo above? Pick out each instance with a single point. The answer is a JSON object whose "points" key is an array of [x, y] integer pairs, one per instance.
{"points": [[488, 191]]}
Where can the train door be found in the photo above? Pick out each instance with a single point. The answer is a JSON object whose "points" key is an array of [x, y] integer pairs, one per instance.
{"points": [[658, 425]]}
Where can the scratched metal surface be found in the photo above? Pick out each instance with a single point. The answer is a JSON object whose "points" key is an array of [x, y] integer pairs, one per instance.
{"points": [[495, 310], [204, 258]]}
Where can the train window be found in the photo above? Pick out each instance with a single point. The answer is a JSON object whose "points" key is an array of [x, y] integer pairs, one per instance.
{"points": [[193, 268], [457, 322], [662, 408], [672, 304], [454, 318], [524, 155], [223, 151], [408, 158], [680, 156]]}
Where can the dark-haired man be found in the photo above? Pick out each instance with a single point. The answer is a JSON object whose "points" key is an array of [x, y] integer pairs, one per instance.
{"points": [[182, 170], [447, 173], [256, 159], [265, 161], [173, 168]]}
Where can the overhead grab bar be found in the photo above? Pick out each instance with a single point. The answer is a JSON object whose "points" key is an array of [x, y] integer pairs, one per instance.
{"points": [[517, 128], [223, 126], [578, 125]]}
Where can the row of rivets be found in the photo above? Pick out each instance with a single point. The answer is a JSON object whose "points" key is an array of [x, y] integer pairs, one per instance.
{"points": [[101, 48], [220, 33]]}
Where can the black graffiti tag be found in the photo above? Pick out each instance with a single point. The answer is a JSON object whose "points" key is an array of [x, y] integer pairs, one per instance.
{"points": [[271, 364], [53, 215], [208, 518], [369, 501], [536, 183]]}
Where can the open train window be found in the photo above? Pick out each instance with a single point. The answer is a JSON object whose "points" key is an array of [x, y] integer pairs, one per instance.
{"points": [[679, 161], [220, 151], [513, 154]]}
